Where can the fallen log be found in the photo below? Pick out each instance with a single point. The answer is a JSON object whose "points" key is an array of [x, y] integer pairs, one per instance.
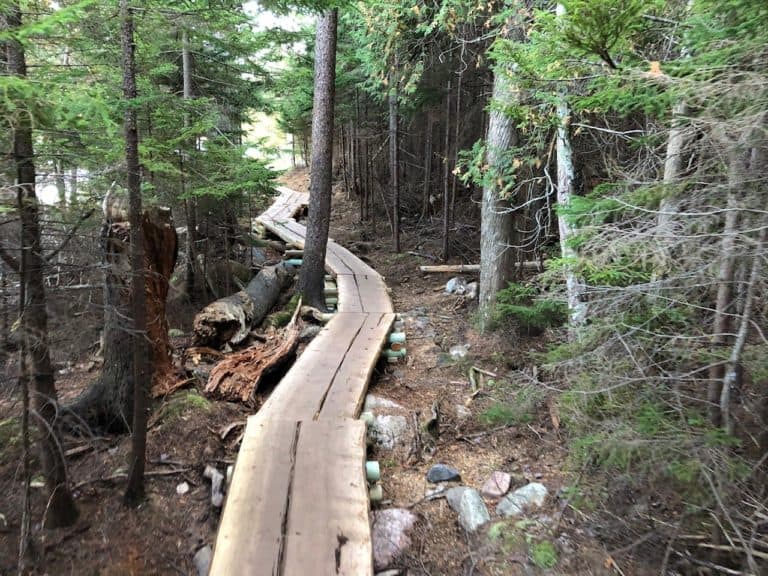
{"points": [[229, 319], [466, 268], [237, 377]]}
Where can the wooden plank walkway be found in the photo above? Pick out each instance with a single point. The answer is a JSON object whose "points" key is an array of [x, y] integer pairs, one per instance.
{"points": [[298, 502]]}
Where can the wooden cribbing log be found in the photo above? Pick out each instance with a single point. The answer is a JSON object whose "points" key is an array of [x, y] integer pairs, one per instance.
{"points": [[470, 268]]}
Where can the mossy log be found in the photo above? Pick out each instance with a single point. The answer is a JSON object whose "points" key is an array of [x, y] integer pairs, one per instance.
{"points": [[229, 320]]}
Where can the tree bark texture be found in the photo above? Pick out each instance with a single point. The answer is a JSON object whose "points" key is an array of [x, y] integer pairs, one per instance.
{"points": [[141, 362], [394, 168], [673, 168], [229, 319], [34, 323], [108, 404], [722, 328], [318, 220], [497, 257]]}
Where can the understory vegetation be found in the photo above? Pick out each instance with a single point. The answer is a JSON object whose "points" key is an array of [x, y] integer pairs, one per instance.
{"points": [[606, 162]]}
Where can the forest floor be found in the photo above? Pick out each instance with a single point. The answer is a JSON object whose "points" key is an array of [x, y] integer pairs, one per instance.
{"points": [[510, 426]]}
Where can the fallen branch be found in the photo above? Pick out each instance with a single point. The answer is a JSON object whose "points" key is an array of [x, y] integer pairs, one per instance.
{"points": [[467, 268]]}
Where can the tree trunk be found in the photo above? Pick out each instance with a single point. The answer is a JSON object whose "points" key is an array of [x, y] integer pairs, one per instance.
{"points": [[394, 141], [319, 216], [673, 167], [446, 172], [190, 205], [425, 205], [134, 492], [61, 509], [577, 309], [108, 403], [497, 257], [738, 159]]}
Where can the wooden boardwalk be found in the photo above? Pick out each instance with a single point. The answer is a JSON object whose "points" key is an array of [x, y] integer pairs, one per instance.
{"points": [[298, 502]]}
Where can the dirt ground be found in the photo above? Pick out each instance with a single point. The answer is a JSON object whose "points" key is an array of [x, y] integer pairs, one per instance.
{"points": [[162, 536]]}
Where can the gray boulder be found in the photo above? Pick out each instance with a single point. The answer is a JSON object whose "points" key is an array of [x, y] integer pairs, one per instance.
{"points": [[391, 535], [529, 496]]}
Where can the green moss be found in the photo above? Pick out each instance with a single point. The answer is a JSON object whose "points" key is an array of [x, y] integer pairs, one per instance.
{"points": [[282, 317], [544, 554], [182, 403]]}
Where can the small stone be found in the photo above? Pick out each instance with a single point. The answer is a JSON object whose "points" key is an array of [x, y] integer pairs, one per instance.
{"points": [[377, 403], [442, 473], [497, 485], [453, 496], [182, 488], [472, 291], [388, 430], [395, 572], [309, 332], [390, 535], [458, 351], [203, 559], [456, 285], [462, 412], [472, 510], [531, 495]]}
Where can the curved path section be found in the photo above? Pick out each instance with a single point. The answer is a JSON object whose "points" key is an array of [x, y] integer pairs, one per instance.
{"points": [[298, 501]]}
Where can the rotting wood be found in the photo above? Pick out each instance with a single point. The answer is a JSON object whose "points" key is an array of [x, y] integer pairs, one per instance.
{"points": [[229, 320], [238, 376]]}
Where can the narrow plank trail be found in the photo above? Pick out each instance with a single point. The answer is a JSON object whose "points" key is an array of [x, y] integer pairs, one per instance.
{"points": [[298, 502]]}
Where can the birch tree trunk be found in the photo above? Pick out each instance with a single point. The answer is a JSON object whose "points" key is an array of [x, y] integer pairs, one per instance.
{"points": [[673, 168], [319, 217], [577, 310]]}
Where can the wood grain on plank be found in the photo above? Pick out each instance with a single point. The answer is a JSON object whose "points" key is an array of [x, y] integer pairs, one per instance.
{"points": [[346, 395], [349, 296], [373, 293], [252, 525], [328, 521], [303, 389]]}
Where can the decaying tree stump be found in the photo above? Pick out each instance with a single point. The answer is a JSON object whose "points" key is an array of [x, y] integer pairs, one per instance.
{"points": [[108, 403], [229, 319], [237, 377]]}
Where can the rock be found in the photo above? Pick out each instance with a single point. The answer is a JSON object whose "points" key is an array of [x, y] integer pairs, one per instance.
{"points": [[377, 403], [258, 255], [182, 488], [456, 285], [202, 560], [531, 495], [388, 430], [309, 332], [472, 510], [458, 351], [453, 496], [395, 572], [472, 291], [497, 485], [462, 412], [442, 473], [390, 535]]}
